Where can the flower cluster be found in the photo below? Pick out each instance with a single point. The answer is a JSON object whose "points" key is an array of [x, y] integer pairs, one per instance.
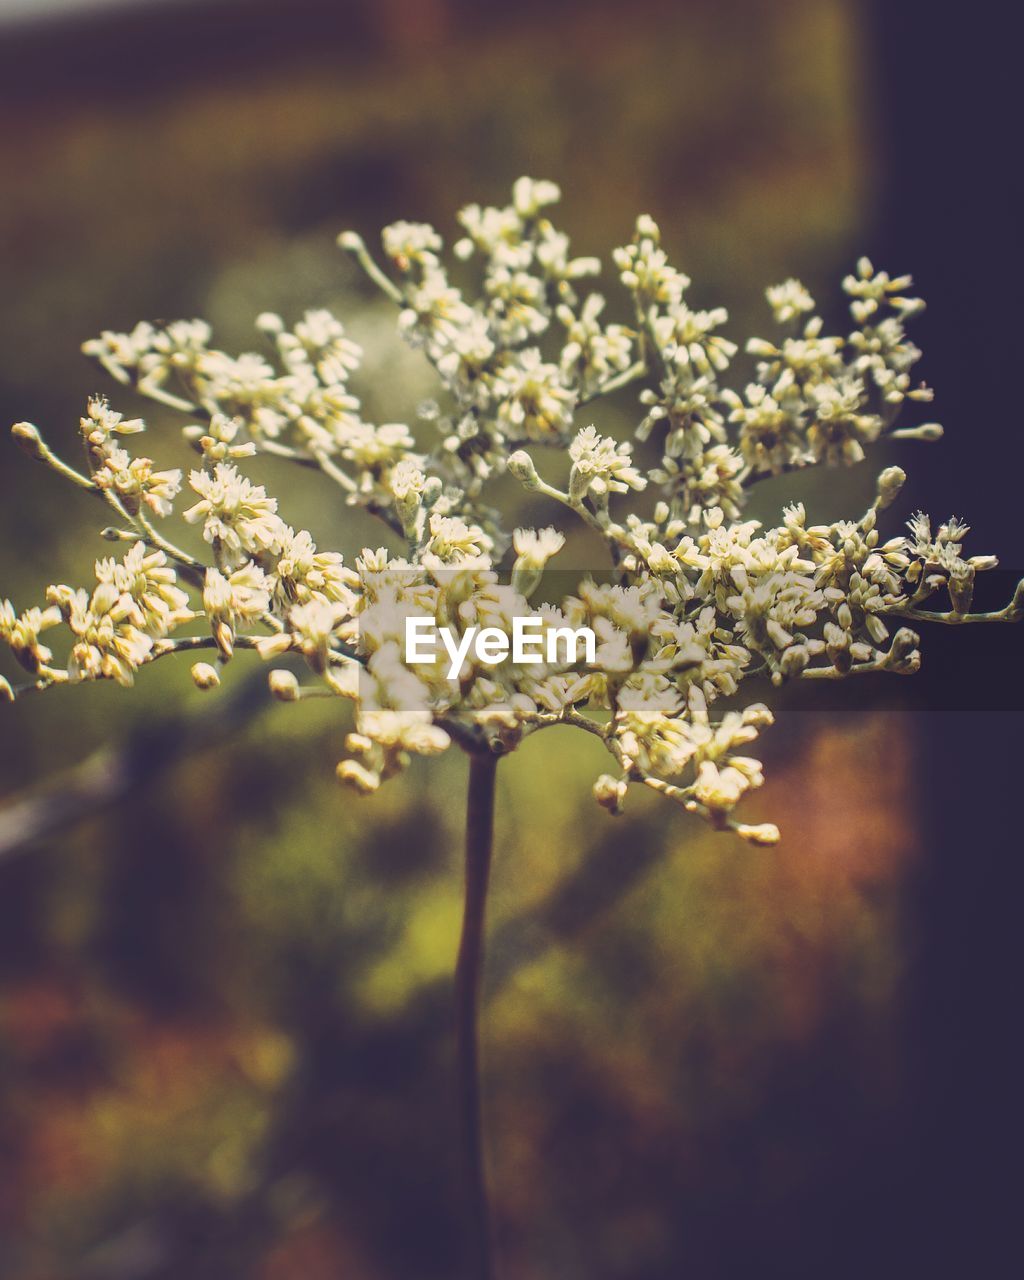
{"points": [[695, 600]]}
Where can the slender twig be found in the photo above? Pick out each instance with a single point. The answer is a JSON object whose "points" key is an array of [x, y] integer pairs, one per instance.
{"points": [[354, 244], [468, 972], [335, 472], [835, 673], [624, 379], [156, 539], [954, 619]]}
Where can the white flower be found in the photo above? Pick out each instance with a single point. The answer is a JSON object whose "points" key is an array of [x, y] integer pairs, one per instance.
{"points": [[314, 626], [204, 676], [536, 404], [788, 300], [533, 550], [230, 601], [592, 353], [318, 342], [22, 631], [487, 228], [435, 313], [698, 598], [107, 640], [771, 425], [237, 515], [688, 338], [137, 484], [407, 481], [372, 448], [410, 244], [537, 547], [152, 584], [601, 466], [518, 309], [302, 573], [644, 268], [610, 792], [870, 290], [101, 423], [840, 428], [121, 353], [530, 195], [216, 440], [720, 789], [454, 543]]}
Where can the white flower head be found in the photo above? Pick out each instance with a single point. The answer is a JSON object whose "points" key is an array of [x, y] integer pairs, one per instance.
{"points": [[601, 466], [237, 515], [697, 599], [530, 195], [789, 301]]}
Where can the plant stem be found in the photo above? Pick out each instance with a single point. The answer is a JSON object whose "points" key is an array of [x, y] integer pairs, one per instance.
{"points": [[468, 972]]}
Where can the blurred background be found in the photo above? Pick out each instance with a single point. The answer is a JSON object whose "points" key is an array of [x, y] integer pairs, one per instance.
{"points": [[224, 983]]}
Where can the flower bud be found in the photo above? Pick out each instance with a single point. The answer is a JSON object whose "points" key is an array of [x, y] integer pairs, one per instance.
{"points": [[408, 508], [28, 437], [890, 482], [610, 792], [660, 559], [903, 657], [204, 676], [533, 551], [283, 685], [927, 431], [225, 637], [6, 692], [530, 195], [520, 465], [356, 775], [580, 484], [648, 228], [837, 646], [794, 660], [904, 641], [961, 589], [763, 834]]}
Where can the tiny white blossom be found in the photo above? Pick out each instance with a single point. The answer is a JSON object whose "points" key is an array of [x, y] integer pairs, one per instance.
{"points": [[237, 515]]}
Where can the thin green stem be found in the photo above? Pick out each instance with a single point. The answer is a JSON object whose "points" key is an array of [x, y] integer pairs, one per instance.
{"points": [[335, 472], [624, 379], [468, 973], [354, 244], [156, 539]]}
